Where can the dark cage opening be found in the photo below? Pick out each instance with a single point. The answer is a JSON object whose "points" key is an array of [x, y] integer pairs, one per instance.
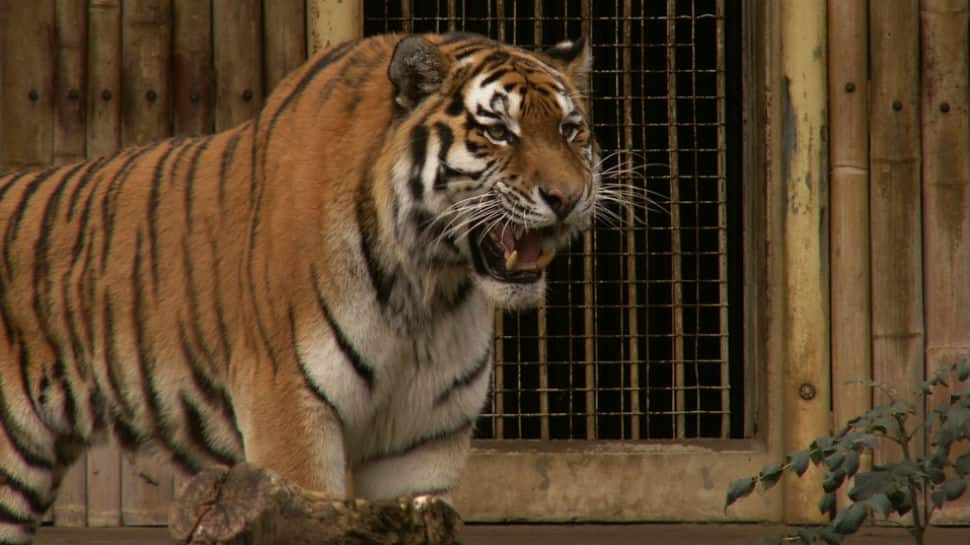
{"points": [[640, 336]]}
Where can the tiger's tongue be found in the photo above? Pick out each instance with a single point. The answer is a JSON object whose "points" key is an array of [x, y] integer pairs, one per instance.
{"points": [[527, 249]]}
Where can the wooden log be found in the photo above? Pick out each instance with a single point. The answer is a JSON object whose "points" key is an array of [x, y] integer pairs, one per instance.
{"points": [[194, 82], [239, 62], [146, 480], [27, 41], [805, 179], [246, 504], [284, 38], [103, 463], [895, 218], [945, 128], [70, 46]]}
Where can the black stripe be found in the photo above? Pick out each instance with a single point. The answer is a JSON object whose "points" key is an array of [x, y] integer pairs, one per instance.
{"points": [[146, 359], [190, 182], [194, 305], [445, 139], [419, 150], [493, 77], [109, 204], [13, 433], [211, 392], [482, 112], [37, 502], [217, 301], [8, 516], [111, 361], [76, 194], [198, 433], [333, 55], [14, 222], [228, 154], [154, 201], [315, 388], [363, 370], [366, 217], [25, 364], [463, 426], [467, 379]]}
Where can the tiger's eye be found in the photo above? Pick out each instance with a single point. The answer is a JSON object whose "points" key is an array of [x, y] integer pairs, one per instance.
{"points": [[499, 133]]}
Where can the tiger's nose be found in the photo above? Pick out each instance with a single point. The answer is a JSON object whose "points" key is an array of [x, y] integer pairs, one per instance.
{"points": [[561, 203]]}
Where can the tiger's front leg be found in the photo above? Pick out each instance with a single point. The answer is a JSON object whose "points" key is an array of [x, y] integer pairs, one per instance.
{"points": [[432, 468], [287, 429]]}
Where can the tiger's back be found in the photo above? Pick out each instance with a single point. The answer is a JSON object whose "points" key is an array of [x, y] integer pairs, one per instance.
{"points": [[289, 292]]}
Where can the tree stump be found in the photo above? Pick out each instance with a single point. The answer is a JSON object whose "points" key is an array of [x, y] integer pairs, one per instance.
{"points": [[253, 506]]}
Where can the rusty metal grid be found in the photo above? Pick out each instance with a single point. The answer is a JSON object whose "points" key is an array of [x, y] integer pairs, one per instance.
{"points": [[633, 341]]}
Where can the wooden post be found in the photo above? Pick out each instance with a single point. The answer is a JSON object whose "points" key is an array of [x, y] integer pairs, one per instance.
{"points": [[104, 138], [28, 77], [193, 85], [849, 202], [239, 61], [284, 39], [805, 181], [70, 41], [146, 117], [946, 195], [330, 22], [895, 219]]}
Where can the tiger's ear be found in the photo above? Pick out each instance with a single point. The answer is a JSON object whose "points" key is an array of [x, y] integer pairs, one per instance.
{"points": [[417, 70], [574, 59]]}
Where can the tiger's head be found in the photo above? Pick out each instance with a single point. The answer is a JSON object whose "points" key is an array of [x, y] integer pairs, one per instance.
{"points": [[497, 156]]}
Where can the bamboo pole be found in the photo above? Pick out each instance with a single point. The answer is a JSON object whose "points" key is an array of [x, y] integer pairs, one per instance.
{"points": [[946, 196], [542, 313], [805, 179], [849, 202], [589, 326], [631, 241], [895, 218], [676, 255], [330, 22]]}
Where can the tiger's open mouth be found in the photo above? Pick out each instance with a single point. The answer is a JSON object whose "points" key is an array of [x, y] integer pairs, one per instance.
{"points": [[513, 253]]}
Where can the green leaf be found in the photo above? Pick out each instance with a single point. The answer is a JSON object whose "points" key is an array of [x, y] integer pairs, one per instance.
{"points": [[963, 465], [798, 462], [834, 460], [826, 504], [739, 489], [804, 535], [849, 519], [851, 464], [769, 475], [900, 501], [954, 488], [829, 537], [877, 481], [833, 480], [936, 475], [937, 498], [880, 503], [963, 371]]}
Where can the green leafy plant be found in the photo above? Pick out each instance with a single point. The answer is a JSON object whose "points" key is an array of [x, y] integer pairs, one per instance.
{"points": [[888, 488]]}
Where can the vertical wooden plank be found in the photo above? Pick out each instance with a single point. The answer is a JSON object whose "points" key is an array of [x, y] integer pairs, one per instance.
{"points": [[805, 256], [633, 324], [284, 33], [70, 43], [894, 193], [589, 301], [849, 202], [104, 138], [946, 196], [330, 22], [28, 78], [193, 84], [239, 61], [146, 480]]}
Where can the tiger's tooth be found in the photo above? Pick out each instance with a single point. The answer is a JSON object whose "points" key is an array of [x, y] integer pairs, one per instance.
{"points": [[544, 259], [511, 260]]}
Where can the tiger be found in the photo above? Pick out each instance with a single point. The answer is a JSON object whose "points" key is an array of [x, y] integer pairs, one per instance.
{"points": [[312, 291]]}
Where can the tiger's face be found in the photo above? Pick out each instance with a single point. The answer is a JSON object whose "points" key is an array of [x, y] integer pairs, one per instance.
{"points": [[507, 162]]}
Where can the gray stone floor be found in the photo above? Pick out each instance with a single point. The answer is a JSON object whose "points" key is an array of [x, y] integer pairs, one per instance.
{"points": [[619, 534]]}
